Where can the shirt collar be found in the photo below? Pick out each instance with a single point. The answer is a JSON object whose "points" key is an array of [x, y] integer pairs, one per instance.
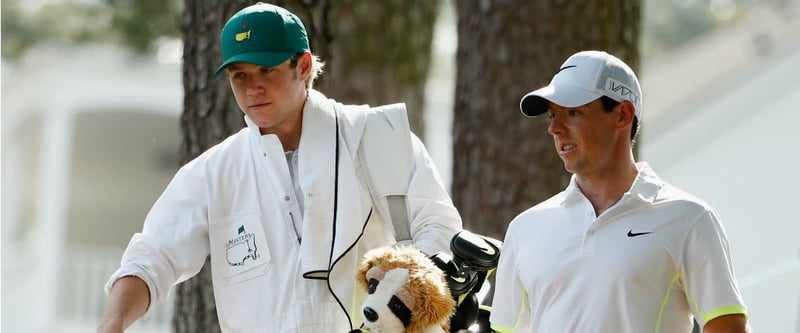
{"points": [[647, 183], [644, 188], [251, 125]]}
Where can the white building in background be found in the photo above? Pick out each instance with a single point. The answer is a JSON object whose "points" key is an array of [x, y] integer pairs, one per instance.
{"points": [[90, 137], [722, 121]]}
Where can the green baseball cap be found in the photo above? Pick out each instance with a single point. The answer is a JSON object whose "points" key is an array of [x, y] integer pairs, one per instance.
{"points": [[262, 34]]}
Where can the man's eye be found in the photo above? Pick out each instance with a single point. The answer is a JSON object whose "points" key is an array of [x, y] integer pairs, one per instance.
{"points": [[573, 112], [237, 75]]}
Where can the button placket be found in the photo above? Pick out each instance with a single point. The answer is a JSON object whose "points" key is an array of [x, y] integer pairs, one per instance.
{"points": [[590, 225], [270, 148], [588, 241]]}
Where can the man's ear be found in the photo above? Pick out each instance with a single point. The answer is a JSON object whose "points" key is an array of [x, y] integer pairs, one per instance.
{"points": [[304, 64], [626, 113]]}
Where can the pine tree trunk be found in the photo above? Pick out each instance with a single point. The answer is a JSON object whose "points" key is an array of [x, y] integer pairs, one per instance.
{"points": [[210, 115], [504, 162], [381, 53]]}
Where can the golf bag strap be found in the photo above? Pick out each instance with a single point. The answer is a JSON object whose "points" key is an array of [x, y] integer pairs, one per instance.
{"points": [[388, 159]]}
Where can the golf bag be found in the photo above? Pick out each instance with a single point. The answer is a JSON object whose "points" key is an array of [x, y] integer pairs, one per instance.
{"points": [[474, 259]]}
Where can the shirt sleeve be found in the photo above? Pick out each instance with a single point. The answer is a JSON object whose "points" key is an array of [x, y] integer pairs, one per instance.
{"points": [[710, 282], [173, 244], [433, 219], [510, 311]]}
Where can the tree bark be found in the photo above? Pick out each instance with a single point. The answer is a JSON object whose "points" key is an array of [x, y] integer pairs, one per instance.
{"points": [[381, 53], [210, 115], [503, 162], [374, 55]]}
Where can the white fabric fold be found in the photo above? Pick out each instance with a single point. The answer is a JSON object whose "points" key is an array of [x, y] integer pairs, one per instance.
{"points": [[317, 162]]}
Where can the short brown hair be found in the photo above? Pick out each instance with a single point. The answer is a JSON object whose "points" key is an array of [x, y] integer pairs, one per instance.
{"points": [[609, 104]]}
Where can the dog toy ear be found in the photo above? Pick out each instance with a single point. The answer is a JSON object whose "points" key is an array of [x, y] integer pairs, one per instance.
{"points": [[361, 275], [358, 330]]}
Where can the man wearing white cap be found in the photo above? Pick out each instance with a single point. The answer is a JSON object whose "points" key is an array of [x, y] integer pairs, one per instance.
{"points": [[619, 250]]}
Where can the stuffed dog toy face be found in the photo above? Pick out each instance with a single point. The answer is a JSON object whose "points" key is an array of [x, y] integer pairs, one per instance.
{"points": [[407, 292]]}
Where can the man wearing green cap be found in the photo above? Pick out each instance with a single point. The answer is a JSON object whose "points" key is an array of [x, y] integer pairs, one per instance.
{"points": [[283, 207]]}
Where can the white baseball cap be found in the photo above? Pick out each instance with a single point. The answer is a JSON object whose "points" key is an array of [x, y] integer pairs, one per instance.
{"points": [[585, 77]]}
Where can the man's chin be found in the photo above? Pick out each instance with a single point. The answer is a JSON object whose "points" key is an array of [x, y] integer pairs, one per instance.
{"points": [[569, 167]]}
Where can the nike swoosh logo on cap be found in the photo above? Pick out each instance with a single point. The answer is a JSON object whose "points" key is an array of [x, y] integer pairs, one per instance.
{"points": [[634, 234], [563, 68]]}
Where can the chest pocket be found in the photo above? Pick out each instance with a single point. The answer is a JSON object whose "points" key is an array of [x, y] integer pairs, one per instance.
{"points": [[239, 248]]}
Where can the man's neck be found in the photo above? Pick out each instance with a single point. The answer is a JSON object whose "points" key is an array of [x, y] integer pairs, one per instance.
{"points": [[604, 190], [289, 133]]}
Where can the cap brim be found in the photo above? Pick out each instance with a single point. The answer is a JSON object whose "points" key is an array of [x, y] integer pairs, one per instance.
{"points": [[536, 102], [266, 59]]}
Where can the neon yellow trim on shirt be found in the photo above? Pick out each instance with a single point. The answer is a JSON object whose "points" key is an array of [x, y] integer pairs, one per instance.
{"points": [[501, 329], [726, 310], [675, 279], [522, 303]]}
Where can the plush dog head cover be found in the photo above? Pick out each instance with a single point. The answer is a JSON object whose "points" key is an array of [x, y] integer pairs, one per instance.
{"points": [[406, 274]]}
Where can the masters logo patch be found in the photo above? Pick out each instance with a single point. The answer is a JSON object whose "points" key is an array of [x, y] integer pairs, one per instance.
{"points": [[241, 248], [242, 36]]}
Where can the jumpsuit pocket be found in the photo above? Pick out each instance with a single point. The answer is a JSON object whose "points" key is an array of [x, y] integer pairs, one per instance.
{"points": [[239, 248]]}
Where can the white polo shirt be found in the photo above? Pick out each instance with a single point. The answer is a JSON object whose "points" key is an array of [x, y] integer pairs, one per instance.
{"points": [[647, 264]]}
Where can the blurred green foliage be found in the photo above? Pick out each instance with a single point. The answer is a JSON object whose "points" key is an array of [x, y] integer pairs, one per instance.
{"points": [[132, 23], [137, 23]]}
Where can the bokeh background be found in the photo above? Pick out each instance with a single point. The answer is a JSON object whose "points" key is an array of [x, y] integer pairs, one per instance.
{"points": [[92, 96]]}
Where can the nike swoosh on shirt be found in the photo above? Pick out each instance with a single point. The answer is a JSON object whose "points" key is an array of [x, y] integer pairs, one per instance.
{"points": [[634, 234]]}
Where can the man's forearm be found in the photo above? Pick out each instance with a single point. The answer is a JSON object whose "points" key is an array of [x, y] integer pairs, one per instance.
{"points": [[733, 323], [127, 301]]}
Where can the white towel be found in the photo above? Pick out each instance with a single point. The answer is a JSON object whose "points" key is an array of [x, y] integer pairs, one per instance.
{"points": [[317, 164]]}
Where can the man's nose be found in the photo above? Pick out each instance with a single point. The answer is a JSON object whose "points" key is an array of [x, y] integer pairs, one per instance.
{"points": [[555, 126], [254, 86]]}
